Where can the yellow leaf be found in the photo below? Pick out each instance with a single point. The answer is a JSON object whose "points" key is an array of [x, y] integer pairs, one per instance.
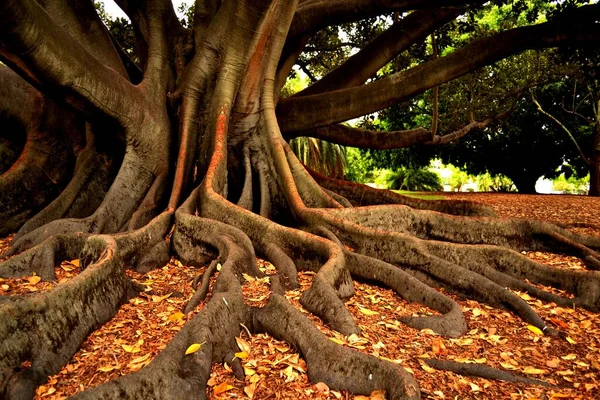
{"points": [[5, 287], [474, 387], [534, 371], [571, 340], [130, 349], [336, 340], [218, 266], [243, 345], [427, 368], [554, 363], [140, 359], [535, 330], [158, 299], [222, 388], [108, 368], [250, 389], [176, 316], [507, 365], [586, 324], [569, 357], [249, 371], [366, 311], [34, 280], [193, 348], [241, 355]]}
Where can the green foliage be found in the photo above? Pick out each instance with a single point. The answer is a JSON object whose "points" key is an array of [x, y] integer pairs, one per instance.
{"points": [[358, 167], [422, 180], [323, 157], [571, 185], [496, 183]]}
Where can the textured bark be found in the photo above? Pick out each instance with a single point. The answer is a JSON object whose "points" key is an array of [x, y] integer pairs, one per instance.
{"points": [[188, 159]]}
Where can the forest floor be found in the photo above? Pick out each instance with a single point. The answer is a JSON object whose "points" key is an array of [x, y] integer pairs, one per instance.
{"points": [[571, 361]]}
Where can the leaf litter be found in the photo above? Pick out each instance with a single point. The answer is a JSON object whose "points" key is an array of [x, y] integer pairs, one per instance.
{"points": [[144, 326]]}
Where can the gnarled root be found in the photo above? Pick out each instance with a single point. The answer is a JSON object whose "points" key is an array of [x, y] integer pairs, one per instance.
{"points": [[358, 373], [61, 319]]}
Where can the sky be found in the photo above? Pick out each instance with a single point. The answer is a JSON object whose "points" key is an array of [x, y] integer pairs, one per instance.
{"points": [[113, 9]]}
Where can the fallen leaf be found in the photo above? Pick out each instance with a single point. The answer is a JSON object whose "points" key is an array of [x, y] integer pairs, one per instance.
{"points": [[569, 357], [140, 359], [75, 262], [158, 299], [322, 387], [193, 348], [571, 340], [427, 368], [34, 280], [222, 388], [241, 355], [250, 389], [533, 371], [108, 368], [366, 311], [535, 330], [243, 345], [554, 363], [176, 316], [130, 349]]}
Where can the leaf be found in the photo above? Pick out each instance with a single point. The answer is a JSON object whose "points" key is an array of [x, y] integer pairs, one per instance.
{"points": [[108, 368], [222, 388], [427, 368], [250, 389], [243, 345], [534, 371], [559, 323], [130, 349], [554, 363], [535, 330], [140, 359], [249, 371], [218, 266], [34, 280], [241, 355], [176, 316], [158, 299], [194, 347], [336, 340], [569, 357], [571, 340], [366, 311], [508, 366], [586, 324], [74, 262], [322, 387]]}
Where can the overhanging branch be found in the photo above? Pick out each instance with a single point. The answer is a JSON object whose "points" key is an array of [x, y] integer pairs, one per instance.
{"points": [[302, 113]]}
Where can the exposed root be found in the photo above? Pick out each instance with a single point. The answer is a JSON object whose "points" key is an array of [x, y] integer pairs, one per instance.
{"points": [[359, 373], [60, 318], [482, 371], [202, 291], [363, 195]]}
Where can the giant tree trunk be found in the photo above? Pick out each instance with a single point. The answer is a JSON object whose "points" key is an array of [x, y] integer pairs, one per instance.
{"points": [[207, 175]]}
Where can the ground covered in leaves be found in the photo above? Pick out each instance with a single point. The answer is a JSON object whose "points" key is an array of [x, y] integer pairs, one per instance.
{"points": [[144, 326]]}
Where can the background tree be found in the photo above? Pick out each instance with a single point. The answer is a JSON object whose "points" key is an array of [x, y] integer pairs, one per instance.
{"points": [[197, 130]]}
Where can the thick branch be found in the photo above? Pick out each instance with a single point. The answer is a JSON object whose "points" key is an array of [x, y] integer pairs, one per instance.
{"points": [[42, 52], [296, 114], [375, 55]]}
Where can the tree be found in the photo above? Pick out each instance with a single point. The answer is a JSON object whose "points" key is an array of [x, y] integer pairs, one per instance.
{"points": [[204, 173]]}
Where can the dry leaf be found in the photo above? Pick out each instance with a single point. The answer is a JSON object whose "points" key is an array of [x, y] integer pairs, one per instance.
{"points": [[130, 349], [554, 363], [222, 388], [322, 387], [366, 311], [176, 316], [75, 262], [193, 348], [34, 280], [571, 340], [158, 299], [427, 368], [250, 389], [243, 345], [241, 355], [535, 330], [108, 368], [569, 357], [140, 359], [533, 371]]}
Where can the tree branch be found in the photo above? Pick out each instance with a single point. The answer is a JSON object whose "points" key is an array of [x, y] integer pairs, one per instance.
{"points": [[33, 45], [381, 50], [306, 112], [561, 126]]}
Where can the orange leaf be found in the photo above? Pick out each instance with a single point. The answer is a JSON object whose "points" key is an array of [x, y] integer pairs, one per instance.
{"points": [[222, 388]]}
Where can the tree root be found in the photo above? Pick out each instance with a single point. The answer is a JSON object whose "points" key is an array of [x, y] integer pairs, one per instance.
{"points": [[482, 371], [359, 373], [363, 195], [61, 319]]}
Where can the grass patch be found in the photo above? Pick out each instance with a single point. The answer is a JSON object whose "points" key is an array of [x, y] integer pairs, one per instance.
{"points": [[420, 195]]}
